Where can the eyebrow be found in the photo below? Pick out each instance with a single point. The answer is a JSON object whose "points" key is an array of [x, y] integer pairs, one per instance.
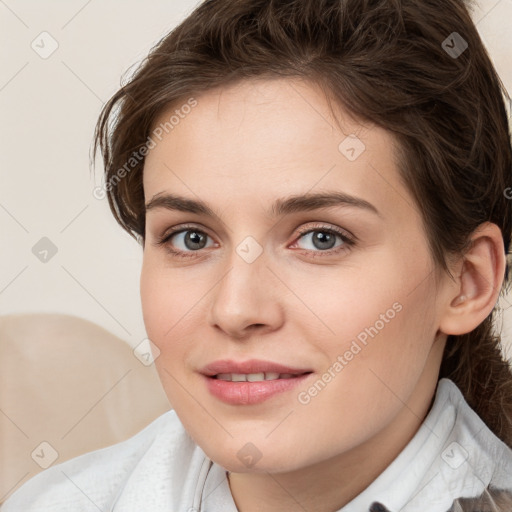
{"points": [[292, 204]]}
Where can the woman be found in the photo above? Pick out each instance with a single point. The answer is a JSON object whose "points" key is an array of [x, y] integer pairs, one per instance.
{"points": [[320, 189]]}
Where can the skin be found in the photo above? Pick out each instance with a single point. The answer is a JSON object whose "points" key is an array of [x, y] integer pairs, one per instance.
{"points": [[240, 149]]}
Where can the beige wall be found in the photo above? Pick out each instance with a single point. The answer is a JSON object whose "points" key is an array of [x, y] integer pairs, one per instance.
{"points": [[48, 109]]}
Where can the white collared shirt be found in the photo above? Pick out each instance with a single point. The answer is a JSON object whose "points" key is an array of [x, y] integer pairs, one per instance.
{"points": [[161, 469]]}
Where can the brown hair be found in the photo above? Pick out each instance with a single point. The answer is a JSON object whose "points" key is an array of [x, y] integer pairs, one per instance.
{"points": [[387, 62]]}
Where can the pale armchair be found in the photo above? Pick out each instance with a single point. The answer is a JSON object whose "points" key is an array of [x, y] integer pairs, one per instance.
{"points": [[67, 386]]}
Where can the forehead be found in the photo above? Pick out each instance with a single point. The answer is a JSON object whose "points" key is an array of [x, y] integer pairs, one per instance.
{"points": [[267, 138]]}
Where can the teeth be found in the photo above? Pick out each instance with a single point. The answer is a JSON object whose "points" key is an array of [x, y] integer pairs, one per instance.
{"points": [[224, 376], [253, 377]]}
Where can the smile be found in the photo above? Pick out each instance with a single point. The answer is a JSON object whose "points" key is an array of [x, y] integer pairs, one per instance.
{"points": [[253, 388], [253, 377]]}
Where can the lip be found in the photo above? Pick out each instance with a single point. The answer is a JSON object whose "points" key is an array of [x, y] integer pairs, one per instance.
{"points": [[250, 393], [250, 366]]}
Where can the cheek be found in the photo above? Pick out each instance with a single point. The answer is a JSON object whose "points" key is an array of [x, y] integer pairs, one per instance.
{"points": [[153, 299], [380, 319], [372, 366], [167, 306], [166, 298], [343, 303]]}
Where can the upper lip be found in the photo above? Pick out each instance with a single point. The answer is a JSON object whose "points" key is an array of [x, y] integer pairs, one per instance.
{"points": [[250, 366]]}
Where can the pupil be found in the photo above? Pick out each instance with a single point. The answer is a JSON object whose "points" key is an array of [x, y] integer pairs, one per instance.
{"points": [[323, 240], [193, 238]]}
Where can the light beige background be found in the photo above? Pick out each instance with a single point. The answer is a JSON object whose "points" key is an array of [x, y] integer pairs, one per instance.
{"points": [[48, 109]]}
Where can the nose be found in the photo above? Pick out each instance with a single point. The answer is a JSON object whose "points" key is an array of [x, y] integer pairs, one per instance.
{"points": [[247, 299]]}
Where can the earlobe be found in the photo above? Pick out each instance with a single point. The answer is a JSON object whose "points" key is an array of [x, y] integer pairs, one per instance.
{"points": [[472, 297]]}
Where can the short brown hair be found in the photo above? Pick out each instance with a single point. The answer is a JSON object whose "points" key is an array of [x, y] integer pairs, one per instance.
{"points": [[389, 62]]}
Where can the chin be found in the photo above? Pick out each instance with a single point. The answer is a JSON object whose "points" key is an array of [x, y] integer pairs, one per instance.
{"points": [[249, 459]]}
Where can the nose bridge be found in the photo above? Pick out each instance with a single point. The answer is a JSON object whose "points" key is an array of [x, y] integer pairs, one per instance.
{"points": [[240, 289], [244, 296]]}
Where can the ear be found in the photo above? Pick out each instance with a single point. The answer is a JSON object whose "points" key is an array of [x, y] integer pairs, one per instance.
{"points": [[473, 294]]}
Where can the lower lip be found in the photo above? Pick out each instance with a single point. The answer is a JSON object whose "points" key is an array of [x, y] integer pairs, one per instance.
{"points": [[249, 393]]}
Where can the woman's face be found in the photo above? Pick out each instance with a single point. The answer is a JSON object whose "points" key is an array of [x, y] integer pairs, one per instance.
{"points": [[295, 245]]}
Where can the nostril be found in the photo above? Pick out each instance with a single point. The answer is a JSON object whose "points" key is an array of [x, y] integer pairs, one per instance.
{"points": [[255, 326]]}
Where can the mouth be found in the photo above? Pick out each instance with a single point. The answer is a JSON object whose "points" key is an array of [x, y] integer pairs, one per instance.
{"points": [[256, 369], [255, 377], [250, 382]]}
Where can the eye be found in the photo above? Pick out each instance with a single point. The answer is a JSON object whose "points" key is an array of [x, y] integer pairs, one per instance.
{"points": [[187, 241], [190, 239], [324, 239], [183, 240]]}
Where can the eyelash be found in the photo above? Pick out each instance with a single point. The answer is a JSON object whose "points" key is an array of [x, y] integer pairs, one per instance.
{"points": [[348, 240]]}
